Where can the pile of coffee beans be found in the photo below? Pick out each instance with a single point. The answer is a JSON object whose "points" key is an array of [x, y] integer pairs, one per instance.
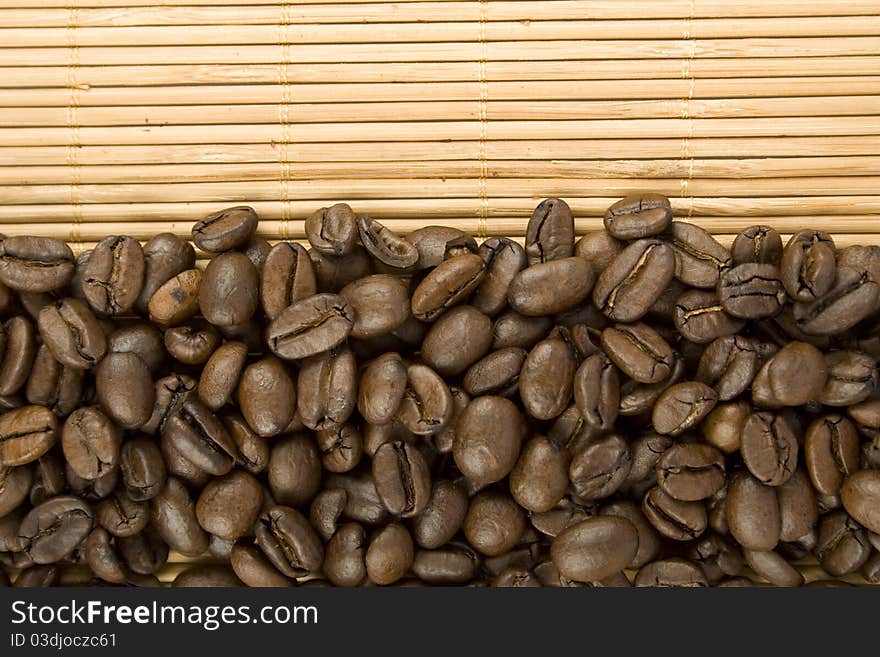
{"points": [[639, 406]]}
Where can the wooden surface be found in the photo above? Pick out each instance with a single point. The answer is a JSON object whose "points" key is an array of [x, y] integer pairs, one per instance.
{"points": [[135, 117]]}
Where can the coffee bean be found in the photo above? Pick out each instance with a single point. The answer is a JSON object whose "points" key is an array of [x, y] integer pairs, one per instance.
{"points": [[494, 523], [91, 443], [200, 437], [761, 244], [390, 554], [380, 303], [139, 338], [453, 564], [341, 447], [751, 291], [700, 317], [228, 506], [627, 288], [795, 375], [26, 434], [539, 479], [177, 299], [437, 243], [545, 382], [487, 439], [639, 352], [551, 287], [769, 448], [332, 231], [514, 330], [226, 229], [860, 495], [402, 478], [729, 365], [600, 468], [52, 530], [497, 373], [753, 513], [287, 277], [229, 290], [682, 406], [125, 389], [221, 374], [842, 546], [447, 285], [345, 556], [852, 377], [596, 390], [325, 511], [808, 265], [595, 548], [384, 245], [289, 542], [327, 387], [831, 452], [426, 407], [691, 471], [72, 333], [382, 387], [253, 568], [114, 275], [852, 298], [699, 258], [598, 248], [192, 344], [675, 519], [35, 264], [15, 483], [294, 469], [638, 216], [310, 326], [503, 259], [457, 340]]}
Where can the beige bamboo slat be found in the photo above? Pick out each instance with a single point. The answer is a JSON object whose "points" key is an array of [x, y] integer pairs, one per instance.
{"points": [[444, 91], [644, 169], [328, 10], [626, 69], [414, 188], [455, 130], [197, 32], [440, 51], [788, 210], [839, 106], [535, 149]]}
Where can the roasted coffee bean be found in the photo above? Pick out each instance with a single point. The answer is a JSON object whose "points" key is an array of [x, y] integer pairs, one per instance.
{"points": [[334, 273], [842, 547], [192, 344], [494, 523], [599, 469], [177, 299], [795, 375], [326, 509], [447, 285], [798, 509], [382, 387], [174, 516], [627, 288], [539, 479], [598, 248], [71, 332], [497, 373], [380, 303], [595, 548], [289, 542], [700, 317], [384, 245], [550, 232], [267, 397], [511, 329], [436, 243], [125, 389], [122, 516], [753, 513], [171, 392], [200, 437], [206, 576], [638, 398], [294, 469], [52, 530], [402, 477], [229, 291], [221, 374], [691, 471], [751, 291], [457, 340], [287, 277], [143, 469], [139, 338], [35, 264], [363, 503], [253, 568], [144, 553], [729, 364], [228, 506], [551, 287], [682, 406], [310, 326], [345, 556], [226, 229], [442, 517], [114, 275], [860, 495], [165, 256], [51, 384], [26, 434], [638, 216], [503, 259], [671, 573], [769, 448], [327, 389], [487, 439], [699, 258], [831, 452], [19, 341], [332, 231], [341, 447], [426, 407], [596, 391], [852, 378], [452, 564], [645, 450], [103, 558], [761, 244], [91, 443], [639, 352], [545, 382], [390, 554], [252, 450], [675, 519], [852, 298], [49, 478], [15, 483], [808, 265]]}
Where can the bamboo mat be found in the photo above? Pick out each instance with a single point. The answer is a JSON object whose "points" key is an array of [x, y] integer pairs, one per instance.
{"points": [[136, 117]]}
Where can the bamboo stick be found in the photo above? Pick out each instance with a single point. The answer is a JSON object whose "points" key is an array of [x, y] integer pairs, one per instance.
{"points": [[444, 91], [29, 32], [431, 52], [538, 149], [668, 168], [455, 130], [432, 188], [430, 210], [442, 111], [624, 69], [595, 9]]}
